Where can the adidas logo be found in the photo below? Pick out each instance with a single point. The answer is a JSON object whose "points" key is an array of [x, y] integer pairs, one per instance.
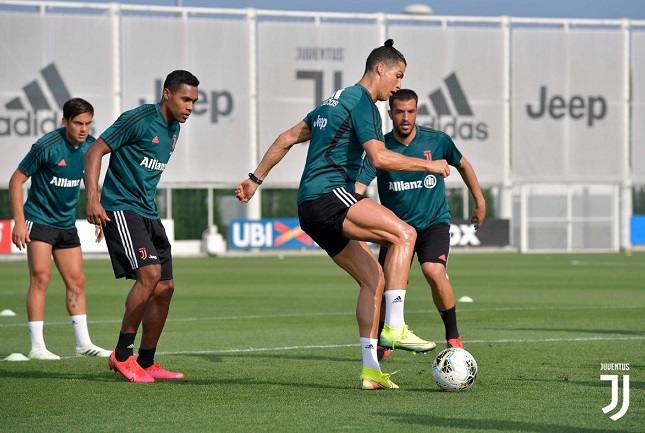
{"points": [[442, 257], [397, 300], [156, 139], [131, 346], [37, 100], [369, 346], [446, 112], [74, 322], [62, 163]]}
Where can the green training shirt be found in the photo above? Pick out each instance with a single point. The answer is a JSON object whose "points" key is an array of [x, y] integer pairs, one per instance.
{"points": [[142, 142], [339, 127], [56, 169], [418, 198]]}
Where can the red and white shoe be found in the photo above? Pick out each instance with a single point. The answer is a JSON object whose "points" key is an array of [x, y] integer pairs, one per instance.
{"points": [[382, 352], [155, 371], [455, 342], [129, 369]]}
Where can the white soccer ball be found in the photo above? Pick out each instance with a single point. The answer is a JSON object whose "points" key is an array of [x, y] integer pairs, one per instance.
{"points": [[454, 369]]}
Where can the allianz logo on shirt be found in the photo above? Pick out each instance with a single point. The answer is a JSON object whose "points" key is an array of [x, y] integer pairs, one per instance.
{"points": [[429, 182], [153, 164], [64, 182]]}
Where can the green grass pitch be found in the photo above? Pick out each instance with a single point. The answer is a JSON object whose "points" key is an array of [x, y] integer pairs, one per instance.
{"points": [[270, 344]]}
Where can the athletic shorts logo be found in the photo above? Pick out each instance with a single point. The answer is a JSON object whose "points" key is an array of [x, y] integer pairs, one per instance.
{"points": [[144, 253], [453, 113], [46, 95]]}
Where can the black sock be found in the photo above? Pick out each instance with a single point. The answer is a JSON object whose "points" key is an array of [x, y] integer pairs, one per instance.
{"points": [[125, 346], [146, 357], [449, 318]]}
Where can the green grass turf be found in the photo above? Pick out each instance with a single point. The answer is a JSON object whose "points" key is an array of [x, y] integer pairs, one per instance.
{"points": [[270, 344]]}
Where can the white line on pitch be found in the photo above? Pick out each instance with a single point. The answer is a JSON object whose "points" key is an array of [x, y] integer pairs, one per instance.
{"points": [[352, 313], [336, 346]]}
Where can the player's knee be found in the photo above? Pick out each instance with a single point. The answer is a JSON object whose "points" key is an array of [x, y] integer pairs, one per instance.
{"points": [[149, 276], [40, 280], [77, 284], [435, 273], [408, 234], [165, 290]]}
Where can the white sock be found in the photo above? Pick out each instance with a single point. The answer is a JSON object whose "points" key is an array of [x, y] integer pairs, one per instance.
{"points": [[36, 334], [394, 301], [368, 350], [79, 323]]}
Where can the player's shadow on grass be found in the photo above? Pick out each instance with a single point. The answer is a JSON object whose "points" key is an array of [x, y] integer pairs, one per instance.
{"points": [[417, 420], [39, 375]]}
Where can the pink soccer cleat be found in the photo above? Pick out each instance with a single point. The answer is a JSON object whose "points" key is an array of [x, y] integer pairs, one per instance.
{"points": [[155, 371], [129, 369]]}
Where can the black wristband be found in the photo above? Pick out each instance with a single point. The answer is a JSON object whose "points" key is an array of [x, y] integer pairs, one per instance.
{"points": [[255, 179]]}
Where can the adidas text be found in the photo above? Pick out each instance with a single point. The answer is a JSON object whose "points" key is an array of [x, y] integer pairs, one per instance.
{"points": [[64, 182], [456, 129], [28, 125]]}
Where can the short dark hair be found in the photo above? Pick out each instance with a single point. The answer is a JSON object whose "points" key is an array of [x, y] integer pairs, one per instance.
{"points": [[179, 77], [75, 106], [384, 54], [403, 95]]}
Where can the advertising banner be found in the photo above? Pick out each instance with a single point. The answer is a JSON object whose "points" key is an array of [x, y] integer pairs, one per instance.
{"points": [[494, 233], [567, 108], [6, 226], [268, 234], [53, 59], [457, 74], [638, 107], [299, 66], [86, 234], [215, 143]]}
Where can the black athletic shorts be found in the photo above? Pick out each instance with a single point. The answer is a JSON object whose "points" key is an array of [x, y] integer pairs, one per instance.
{"points": [[322, 218], [134, 241], [57, 238], [432, 246]]}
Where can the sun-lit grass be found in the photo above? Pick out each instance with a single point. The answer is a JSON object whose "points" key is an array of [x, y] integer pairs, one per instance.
{"points": [[270, 344]]}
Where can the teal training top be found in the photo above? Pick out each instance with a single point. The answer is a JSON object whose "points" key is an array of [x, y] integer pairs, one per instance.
{"points": [[56, 169], [339, 127], [418, 198], [142, 143]]}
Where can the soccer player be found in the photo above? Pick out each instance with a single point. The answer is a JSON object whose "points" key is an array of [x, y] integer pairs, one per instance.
{"points": [[340, 129], [46, 224], [140, 142], [420, 200]]}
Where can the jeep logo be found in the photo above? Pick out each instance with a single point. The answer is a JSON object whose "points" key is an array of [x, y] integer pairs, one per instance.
{"points": [[218, 103], [592, 108]]}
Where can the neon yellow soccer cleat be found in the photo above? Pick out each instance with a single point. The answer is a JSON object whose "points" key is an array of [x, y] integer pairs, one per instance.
{"points": [[375, 379], [404, 338]]}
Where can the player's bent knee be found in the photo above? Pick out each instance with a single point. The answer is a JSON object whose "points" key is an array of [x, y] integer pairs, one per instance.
{"points": [[408, 234], [150, 275], [165, 290]]}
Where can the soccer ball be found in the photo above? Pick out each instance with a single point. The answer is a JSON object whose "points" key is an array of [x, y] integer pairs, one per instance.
{"points": [[454, 369]]}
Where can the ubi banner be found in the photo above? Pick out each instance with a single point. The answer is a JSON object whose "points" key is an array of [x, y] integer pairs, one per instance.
{"points": [[567, 107]]}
